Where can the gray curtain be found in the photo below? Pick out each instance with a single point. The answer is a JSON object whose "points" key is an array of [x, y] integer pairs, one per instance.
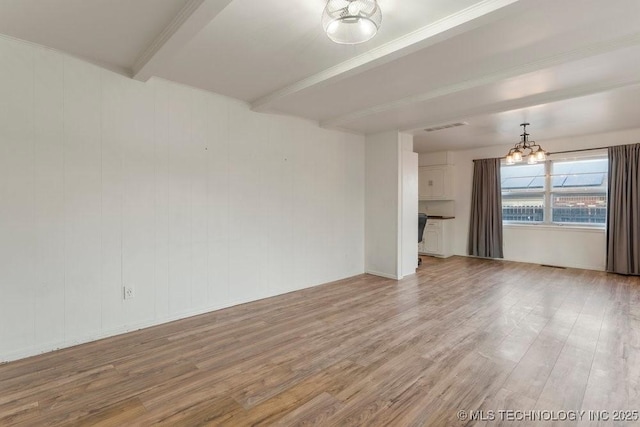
{"points": [[623, 210], [485, 229]]}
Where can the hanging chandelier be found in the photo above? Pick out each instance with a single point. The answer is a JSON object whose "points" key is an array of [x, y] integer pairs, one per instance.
{"points": [[525, 148], [351, 21]]}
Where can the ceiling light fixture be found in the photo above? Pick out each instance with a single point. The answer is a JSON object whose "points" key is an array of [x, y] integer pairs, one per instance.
{"points": [[351, 21], [525, 148]]}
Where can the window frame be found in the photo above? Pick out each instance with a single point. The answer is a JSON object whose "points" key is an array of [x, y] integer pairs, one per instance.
{"points": [[548, 193]]}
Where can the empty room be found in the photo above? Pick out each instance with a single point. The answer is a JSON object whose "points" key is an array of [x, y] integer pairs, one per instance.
{"points": [[319, 212]]}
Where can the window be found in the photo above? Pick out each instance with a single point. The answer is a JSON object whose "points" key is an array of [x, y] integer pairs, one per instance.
{"points": [[556, 192], [523, 192], [579, 191]]}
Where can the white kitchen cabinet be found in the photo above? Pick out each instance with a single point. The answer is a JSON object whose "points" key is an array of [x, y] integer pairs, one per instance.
{"points": [[437, 238], [435, 182], [432, 240]]}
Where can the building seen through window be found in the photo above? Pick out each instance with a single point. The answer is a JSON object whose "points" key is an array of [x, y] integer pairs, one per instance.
{"points": [[566, 192]]}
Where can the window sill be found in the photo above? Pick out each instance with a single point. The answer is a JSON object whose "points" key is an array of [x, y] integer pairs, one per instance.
{"points": [[555, 227]]}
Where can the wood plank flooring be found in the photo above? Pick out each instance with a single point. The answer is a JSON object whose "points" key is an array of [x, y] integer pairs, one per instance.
{"points": [[462, 334]]}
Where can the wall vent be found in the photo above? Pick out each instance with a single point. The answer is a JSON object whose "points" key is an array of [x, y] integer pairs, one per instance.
{"points": [[447, 126]]}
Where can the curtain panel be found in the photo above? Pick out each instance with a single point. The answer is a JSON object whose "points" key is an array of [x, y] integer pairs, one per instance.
{"points": [[623, 210], [485, 228]]}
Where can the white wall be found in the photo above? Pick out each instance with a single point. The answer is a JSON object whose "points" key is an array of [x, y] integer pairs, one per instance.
{"points": [[408, 206], [189, 197], [561, 246], [391, 205], [382, 199]]}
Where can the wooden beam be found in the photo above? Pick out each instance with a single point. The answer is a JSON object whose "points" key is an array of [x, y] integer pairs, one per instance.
{"points": [[191, 19], [447, 27], [529, 101], [589, 51]]}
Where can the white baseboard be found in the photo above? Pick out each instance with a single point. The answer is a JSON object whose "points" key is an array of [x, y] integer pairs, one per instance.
{"points": [[53, 346], [58, 345], [555, 264]]}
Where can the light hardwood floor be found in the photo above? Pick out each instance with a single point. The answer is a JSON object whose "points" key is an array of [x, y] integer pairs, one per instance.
{"points": [[462, 334]]}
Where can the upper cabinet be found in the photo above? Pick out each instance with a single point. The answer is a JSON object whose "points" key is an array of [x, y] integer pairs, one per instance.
{"points": [[435, 182]]}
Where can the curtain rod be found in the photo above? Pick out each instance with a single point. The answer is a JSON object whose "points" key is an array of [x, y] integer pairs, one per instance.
{"points": [[555, 152], [576, 151]]}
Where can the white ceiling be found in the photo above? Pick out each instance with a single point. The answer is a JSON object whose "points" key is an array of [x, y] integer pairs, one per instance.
{"points": [[255, 47], [569, 67], [109, 32]]}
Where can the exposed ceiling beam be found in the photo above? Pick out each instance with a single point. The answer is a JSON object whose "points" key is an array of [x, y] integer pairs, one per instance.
{"points": [[526, 102], [191, 19], [573, 55], [447, 27]]}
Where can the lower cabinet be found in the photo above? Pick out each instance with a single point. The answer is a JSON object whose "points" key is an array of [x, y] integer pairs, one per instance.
{"points": [[437, 238]]}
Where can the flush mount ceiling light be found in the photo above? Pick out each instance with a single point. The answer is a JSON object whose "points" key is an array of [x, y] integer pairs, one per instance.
{"points": [[525, 148], [351, 21]]}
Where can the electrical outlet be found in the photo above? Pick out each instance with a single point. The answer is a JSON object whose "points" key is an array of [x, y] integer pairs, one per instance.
{"points": [[128, 292]]}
